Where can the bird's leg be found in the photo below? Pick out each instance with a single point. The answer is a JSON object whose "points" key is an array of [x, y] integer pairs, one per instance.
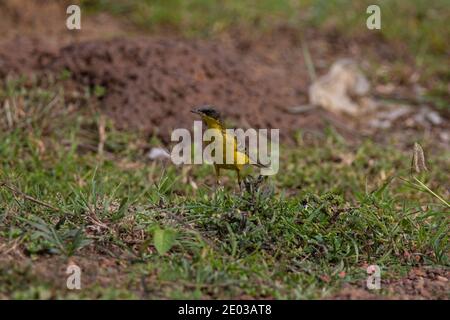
{"points": [[239, 179], [217, 169]]}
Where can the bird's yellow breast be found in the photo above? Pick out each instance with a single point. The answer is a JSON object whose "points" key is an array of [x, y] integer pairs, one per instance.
{"points": [[228, 142]]}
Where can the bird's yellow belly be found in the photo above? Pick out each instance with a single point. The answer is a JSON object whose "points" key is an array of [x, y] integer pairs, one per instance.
{"points": [[229, 144]]}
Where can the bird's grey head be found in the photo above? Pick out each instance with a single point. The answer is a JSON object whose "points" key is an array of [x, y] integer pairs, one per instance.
{"points": [[209, 111]]}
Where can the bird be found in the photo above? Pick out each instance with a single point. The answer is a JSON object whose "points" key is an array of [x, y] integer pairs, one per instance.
{"points": [[213, 120]]}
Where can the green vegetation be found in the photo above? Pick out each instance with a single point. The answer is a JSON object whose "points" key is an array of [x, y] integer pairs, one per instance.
{"points": [[413, 21], [297, 235]]}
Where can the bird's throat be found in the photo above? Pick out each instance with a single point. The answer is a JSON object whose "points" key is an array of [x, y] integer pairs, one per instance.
{"points": [[213, 123]]}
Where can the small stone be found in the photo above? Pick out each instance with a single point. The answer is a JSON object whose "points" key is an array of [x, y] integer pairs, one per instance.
{"points": [[158, 153], [425, 293], [445, 136], [434, 118]]}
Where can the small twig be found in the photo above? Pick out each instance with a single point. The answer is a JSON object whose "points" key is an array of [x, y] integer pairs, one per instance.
{"points": [[300, 109], [17, 192], [27, 197], [401, 98], [9, 119], [13, 247], [339, 124], [93, 217], [101, 135], [308, 61]]}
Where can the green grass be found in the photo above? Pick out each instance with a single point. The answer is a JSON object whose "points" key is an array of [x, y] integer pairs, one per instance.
{"points": [[417, 23], [290, 237]]}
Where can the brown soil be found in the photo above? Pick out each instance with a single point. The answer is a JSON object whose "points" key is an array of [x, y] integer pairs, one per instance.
{"points": [[421, 283], [103, 271], [20, 271], [152, 84]]}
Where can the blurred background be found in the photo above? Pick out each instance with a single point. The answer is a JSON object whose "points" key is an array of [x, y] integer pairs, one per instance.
{"points": [[242, 56]]}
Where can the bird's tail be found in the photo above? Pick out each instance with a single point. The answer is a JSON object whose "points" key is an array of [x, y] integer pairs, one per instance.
{"points": [[258, 164]]}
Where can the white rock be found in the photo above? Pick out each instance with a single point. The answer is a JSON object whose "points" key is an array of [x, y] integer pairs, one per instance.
{"points": [[434, 117], [333, 91], [158, 153]]}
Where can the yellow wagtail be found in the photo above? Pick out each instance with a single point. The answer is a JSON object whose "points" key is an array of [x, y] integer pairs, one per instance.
{"points": [[213, 120]]}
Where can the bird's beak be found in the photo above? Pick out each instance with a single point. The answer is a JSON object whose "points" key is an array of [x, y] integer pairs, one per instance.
{"points": [[196, 111]]}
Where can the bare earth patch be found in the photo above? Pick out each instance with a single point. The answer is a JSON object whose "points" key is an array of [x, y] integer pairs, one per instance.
{"points": [[420, 283]]}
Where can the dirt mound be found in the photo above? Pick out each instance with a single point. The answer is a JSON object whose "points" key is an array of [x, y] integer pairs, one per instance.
{"points": [[155, 83], [26, 55], [152, 84]]}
